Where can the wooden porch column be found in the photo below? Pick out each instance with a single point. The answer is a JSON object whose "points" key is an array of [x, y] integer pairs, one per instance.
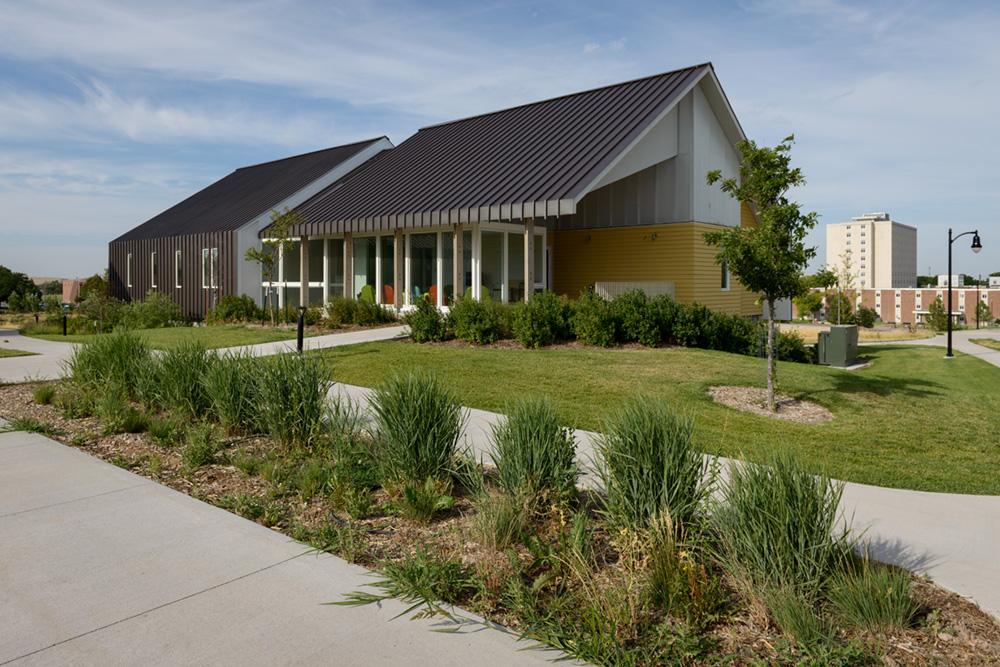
{"points": [[304, 271], [458, 262], [529, 259], [398, 269], [348, 266]]}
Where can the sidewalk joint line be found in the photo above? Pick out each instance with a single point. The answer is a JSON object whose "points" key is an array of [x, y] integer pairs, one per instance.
{"points": [[67, 502]]}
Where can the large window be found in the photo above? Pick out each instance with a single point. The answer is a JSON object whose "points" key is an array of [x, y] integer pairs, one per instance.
{"points": [[206, 267], [725, 276], [491, 265], [515, 267], [316, 272], [387, 273], [467, 261], [364, 268], [335, 284], [178, 269], [215, 268], [447, 267], [423, 266], [154, 270], [128, 270]]}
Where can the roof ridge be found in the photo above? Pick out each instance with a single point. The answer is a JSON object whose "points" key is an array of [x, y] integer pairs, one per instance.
{"points": [[568, 95], [319, 150]]}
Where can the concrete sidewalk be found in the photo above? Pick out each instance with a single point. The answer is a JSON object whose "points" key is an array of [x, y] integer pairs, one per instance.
{"points": [[101, 566], [961, 341], [953, 538]]}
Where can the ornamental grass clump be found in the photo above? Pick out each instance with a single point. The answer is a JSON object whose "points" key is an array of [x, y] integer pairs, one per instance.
{"points": [[872, 596], [117, 359], [178, 379], [777, 526], [292, 401], [232, 387], [533, 453], [417, 425], [649, 467]]}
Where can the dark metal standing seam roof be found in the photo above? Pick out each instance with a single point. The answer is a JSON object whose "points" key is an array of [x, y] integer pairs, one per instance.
{"points": [[241, 196], [527, 161]]}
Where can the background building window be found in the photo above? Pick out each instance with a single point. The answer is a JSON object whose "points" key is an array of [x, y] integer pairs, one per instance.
{"points": [[724, 283], [206, 267], [128, 270], [215, 268], [178, 269], [154, 270]]}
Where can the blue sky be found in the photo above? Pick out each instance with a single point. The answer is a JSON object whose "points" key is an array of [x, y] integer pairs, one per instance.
{"points": [[112, 111]]}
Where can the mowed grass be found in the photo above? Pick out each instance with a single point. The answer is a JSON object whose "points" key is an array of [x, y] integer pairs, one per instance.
{"points": [[810, 333], [211, 337], [8, 352], [911, 420]]}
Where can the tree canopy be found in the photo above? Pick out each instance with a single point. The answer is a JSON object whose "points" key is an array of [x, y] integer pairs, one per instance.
{"points": [[15, 283]]}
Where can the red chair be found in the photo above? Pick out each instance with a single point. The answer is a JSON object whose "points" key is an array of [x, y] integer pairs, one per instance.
{"points": [[388, 295], [432, 294]]}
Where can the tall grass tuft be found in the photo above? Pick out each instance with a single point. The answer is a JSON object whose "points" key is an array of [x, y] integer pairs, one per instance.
{"points": [[200, 446], [533, 453], [116, 359], [44, 394], [872, 596], [293, 389], [417, 425], [649, 467], [180, 378], [777, 526], [232, 387]]}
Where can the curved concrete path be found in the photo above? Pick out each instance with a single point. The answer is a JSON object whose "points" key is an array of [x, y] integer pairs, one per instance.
{"points": [[99, 566], [961, 341]]}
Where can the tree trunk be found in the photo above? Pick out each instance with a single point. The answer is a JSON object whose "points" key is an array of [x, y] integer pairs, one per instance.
{"points": [[270, 299], [770, 356]]}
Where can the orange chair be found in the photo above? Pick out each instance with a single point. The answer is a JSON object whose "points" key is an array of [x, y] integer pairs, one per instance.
{"points": [[388, 295], [432, 294]]}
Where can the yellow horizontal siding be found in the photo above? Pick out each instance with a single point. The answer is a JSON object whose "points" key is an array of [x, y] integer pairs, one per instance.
{"points": [[677, 253]]}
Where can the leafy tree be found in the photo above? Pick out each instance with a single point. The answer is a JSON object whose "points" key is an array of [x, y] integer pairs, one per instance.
{"points": [[824, 278], [95, 284], [14, 283], [937, 316], [267, 256], [809, 303], [839, 309], [983, 312], [53, 287], [769, 258], [926, 281]]}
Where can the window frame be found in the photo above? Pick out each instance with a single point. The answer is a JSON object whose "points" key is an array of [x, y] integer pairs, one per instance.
{"points": [[178, 271], [153, 269], [128, 270], [205, 269], [726, 282]]}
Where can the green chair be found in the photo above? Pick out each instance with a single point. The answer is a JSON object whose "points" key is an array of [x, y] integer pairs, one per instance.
{"points": [[367, 294]]}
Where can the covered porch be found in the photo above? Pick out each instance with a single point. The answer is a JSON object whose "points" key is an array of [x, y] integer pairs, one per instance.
{"points": [[502, 261]]}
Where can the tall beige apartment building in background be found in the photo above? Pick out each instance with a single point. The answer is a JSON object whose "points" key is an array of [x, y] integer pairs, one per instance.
{"points": [[875, 250]]}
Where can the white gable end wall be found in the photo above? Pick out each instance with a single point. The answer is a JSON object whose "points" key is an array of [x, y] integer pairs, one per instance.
{"points": [[248, 273], [658, 145], [711, 149]]}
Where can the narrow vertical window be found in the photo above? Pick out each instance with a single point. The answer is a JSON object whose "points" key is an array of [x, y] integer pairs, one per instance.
{"points": [[725, 276], [178, 269], [215, 268], [153, 270], [205, 268], [128, 270]]}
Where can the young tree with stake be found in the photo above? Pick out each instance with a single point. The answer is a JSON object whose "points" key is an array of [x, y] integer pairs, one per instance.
{"points": [[268, 254], [769, 258]]}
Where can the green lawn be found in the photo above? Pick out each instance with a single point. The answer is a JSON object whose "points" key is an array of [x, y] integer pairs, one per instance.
{"points": [[911, 420], [210, 336], [991, 343], [8, 352]]}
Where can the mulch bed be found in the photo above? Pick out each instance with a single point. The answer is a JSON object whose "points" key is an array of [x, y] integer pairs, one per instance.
{"points": [[956, 632], [754, 399]]}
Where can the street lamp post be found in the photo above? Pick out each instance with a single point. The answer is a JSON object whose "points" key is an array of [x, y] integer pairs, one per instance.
{"points": [[976, 247]]}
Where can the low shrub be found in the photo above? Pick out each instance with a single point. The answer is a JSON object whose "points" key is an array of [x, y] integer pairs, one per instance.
{"points": [[44, 394], [341, 311], [649, 467], [200, 445], [417, 425], [480, 322], [790, 346], [695, 326], [421, 502], [117, 359], [541, 321], [777, 526], [155, 311], [872, 596], [638, 321], [426, 322], [232, 388], [233, 308], [292, 399], [594, 321], [739, 335], [533, 453]]}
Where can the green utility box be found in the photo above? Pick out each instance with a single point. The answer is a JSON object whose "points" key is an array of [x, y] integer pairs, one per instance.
{"points": [[838, 346]]}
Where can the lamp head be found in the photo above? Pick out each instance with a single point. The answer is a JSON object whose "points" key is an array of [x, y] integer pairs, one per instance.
{"points": [[976, 245]]}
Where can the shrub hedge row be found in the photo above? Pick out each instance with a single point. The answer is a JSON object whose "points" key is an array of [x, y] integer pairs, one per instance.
{"points": [[630, 318]]}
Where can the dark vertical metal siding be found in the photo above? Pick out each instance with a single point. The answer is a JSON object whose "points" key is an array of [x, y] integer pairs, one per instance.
{"points": [[190, 296]]}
